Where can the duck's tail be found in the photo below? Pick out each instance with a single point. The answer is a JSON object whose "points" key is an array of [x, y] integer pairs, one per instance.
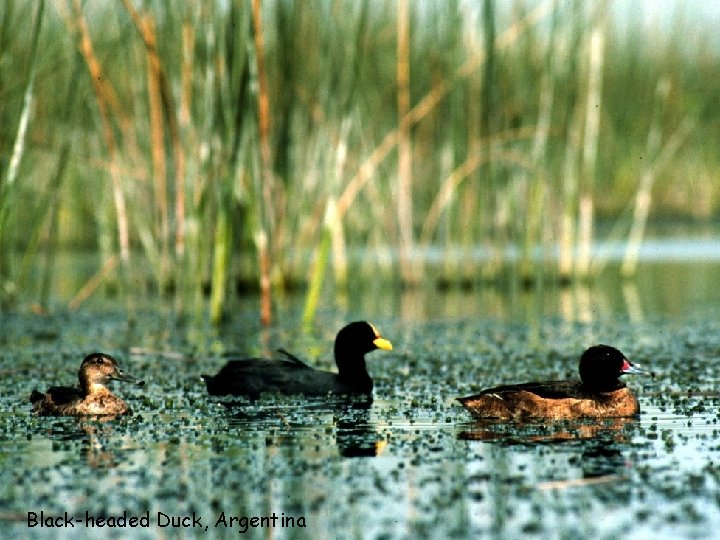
{"points": [[294, 359]]}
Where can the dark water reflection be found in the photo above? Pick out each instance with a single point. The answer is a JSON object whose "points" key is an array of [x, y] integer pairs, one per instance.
{"points": [[410, 463], [524, 432]]}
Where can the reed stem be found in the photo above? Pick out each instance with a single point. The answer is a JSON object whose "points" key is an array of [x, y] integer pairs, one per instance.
{"points": [[221, 261], [405, 221], [318, 268], [268, 212], [7, 187], [107, 102], [593, 109], [643, 197]]}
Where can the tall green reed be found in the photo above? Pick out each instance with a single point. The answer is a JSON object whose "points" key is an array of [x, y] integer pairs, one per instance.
{"points": [[7, 183], [224, 141]]}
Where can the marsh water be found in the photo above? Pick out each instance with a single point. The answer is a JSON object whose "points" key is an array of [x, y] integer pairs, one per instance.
{"points": [[409, 464]]}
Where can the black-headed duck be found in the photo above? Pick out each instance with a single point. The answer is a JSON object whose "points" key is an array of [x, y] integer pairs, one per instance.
{"points": [[598, 393], [93, 397], [254, 376]]}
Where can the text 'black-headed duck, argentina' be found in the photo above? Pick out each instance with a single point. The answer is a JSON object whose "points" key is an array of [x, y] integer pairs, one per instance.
{"points": [[254, 376], [599, 392], [93, 397]]}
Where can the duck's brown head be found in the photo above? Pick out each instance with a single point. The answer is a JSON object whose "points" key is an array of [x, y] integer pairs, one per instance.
{"points": [[98, 369]]}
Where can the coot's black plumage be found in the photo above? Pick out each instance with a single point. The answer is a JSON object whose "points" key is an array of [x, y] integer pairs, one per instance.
{"points": [[254, 376], [598, 393]]}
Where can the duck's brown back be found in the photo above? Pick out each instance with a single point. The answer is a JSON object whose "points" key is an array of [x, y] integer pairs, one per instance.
{"points": [[552, 399], [68, 401], [57, 398]]}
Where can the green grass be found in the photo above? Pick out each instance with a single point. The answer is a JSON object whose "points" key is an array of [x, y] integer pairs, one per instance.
{"points": [[158, 134]]}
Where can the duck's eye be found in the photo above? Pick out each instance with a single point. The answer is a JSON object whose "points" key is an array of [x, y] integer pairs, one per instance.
{"points": [[99, 360]]}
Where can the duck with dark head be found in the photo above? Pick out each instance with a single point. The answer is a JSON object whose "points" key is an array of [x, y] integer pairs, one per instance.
{"points": [[93, 397], [598, 393]]}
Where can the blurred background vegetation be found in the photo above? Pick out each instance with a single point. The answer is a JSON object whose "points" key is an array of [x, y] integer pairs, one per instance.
{"points": [[206, 148]]}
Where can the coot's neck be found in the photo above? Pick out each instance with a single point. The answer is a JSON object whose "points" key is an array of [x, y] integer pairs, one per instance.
{"points": [[352, 370]]}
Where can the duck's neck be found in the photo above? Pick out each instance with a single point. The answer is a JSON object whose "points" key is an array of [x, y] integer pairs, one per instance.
{"points": [[352, 371], [94, 389], [606, 386]]}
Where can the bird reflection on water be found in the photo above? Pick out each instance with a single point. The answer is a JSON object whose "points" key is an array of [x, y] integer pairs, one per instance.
{"points": [[285, 420], [598, 446]]}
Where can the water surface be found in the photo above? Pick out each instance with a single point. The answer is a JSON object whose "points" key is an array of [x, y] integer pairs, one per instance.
{"points": [[410, 464]]}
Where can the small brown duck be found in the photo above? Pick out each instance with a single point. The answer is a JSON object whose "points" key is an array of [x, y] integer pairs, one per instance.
{"points": [[599, 392], [93, 397], [254, 376]]}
